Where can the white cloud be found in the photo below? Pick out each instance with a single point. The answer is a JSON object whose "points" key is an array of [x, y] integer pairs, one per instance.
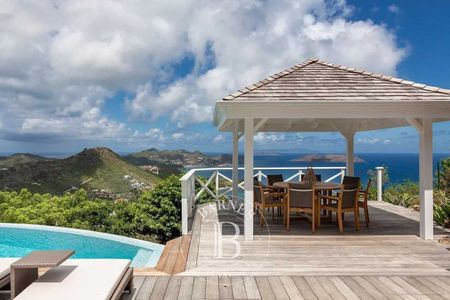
{"points": [[219, 138], [246, 41], [264, 138], [61, 60], [178, 136], [394, 9], [369, 141]]}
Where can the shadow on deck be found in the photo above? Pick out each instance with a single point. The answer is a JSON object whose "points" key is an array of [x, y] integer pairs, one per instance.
{"points": [[385, 219]]}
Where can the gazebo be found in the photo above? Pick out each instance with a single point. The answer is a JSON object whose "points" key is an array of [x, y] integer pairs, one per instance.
{"points": [[317, 96]]}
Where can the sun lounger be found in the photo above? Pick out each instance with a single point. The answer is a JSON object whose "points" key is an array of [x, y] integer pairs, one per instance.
{"points": [[94, 279], [5, 264]]}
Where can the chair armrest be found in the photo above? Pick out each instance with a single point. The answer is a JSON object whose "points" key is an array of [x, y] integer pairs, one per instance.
{"points": [[329, 197], [273, 188]]}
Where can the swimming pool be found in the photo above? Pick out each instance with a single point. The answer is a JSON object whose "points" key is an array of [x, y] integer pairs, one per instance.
{"points": [[17, 240]]}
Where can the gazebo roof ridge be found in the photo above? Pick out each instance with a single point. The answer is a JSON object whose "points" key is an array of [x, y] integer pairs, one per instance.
{"points": [[277, 76], [266, 80], [386, 77]]}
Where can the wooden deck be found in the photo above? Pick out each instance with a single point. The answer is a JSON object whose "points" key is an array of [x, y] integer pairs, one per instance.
{"points": [[290, 287], [385, 261], [174, 256], [389, 247]]}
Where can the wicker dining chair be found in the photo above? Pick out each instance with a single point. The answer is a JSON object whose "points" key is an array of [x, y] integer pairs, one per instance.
{"points": [[351, 180], [300, 198], [262, 200], [271, 179], [345, 201], [362, 201], [318, 177]]}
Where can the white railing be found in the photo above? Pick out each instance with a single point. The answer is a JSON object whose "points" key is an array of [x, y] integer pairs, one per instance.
{"points": [[204, 177]]}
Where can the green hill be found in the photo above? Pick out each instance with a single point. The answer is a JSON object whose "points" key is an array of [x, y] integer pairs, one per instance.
{"points": [[174, 161], [93, 169], [20, 158]]}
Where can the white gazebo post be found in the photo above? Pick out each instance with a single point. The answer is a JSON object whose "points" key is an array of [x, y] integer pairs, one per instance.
{"points": [[350, 138], [426, 179], [248, 179], [235, 161]]}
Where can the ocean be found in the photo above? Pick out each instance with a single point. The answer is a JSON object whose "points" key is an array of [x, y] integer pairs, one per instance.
{"points": [[401, 166]]}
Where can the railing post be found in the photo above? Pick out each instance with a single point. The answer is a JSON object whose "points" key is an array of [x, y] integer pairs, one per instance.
{"points": [[191, 195], [259, 175], [184, 206], [379, 183], [300, 173], [217, 184]]}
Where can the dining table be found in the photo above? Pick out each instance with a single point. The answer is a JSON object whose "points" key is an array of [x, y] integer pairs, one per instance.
{"points": [[319, 187]]}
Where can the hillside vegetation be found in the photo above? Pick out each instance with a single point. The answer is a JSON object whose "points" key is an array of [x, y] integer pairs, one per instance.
{"points": [[20, 158], [153, 216], [92, 169], [175, 161]]}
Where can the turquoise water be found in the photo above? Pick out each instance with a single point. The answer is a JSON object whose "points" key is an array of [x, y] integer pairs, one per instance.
{"points": [[17, 242]]}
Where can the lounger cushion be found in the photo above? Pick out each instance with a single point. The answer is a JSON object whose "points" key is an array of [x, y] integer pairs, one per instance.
{"points": [[78, 279], [5, 263]]}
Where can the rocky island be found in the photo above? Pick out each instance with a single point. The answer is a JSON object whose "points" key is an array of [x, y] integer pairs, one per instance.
{"points": [[334, 158]]}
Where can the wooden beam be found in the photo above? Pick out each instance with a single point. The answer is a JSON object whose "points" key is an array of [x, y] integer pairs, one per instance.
{"points": [[417, 123], [260, 124]]}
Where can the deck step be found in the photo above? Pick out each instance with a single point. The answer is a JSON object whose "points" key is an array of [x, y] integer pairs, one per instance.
{"points": [[174, 256]]}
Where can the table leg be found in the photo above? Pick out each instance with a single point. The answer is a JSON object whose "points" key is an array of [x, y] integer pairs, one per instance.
{"points": [[21, 278]]}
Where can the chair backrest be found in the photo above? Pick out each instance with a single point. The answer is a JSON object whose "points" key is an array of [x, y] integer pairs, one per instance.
{"points": [[349, 192], [271, 179], [301, 195], [318, 177], [258, 193], [368, 185], [351, 180]]}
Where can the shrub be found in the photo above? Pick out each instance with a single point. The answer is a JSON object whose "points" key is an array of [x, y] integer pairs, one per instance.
{"points": [[405, 194], [444, 182], [441, 208]]}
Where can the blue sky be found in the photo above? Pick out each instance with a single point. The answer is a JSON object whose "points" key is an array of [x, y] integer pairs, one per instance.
{"points": [[131, 76]]}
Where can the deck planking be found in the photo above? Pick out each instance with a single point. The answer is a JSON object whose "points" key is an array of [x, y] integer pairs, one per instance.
{"points": [[290, 287], [389, 246], [174, 257]]}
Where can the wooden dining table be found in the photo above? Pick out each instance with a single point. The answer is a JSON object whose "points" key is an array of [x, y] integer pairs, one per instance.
{"points": [[319, 187]]}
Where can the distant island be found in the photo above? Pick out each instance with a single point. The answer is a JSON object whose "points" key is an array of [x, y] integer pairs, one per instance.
{"points": [[335, 158]]}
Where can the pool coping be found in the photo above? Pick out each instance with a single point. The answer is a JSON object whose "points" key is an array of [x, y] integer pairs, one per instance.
{"points": [[156, 249]]}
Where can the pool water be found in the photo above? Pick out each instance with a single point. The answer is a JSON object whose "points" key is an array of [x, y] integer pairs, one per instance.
{"points": [[17, 240]]}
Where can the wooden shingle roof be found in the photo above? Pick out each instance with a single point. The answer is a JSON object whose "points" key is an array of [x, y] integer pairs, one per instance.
{"points": [[315, 80]]}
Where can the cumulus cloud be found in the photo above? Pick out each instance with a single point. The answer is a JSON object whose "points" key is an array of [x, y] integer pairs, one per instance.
{"points": [[61, 60]]}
